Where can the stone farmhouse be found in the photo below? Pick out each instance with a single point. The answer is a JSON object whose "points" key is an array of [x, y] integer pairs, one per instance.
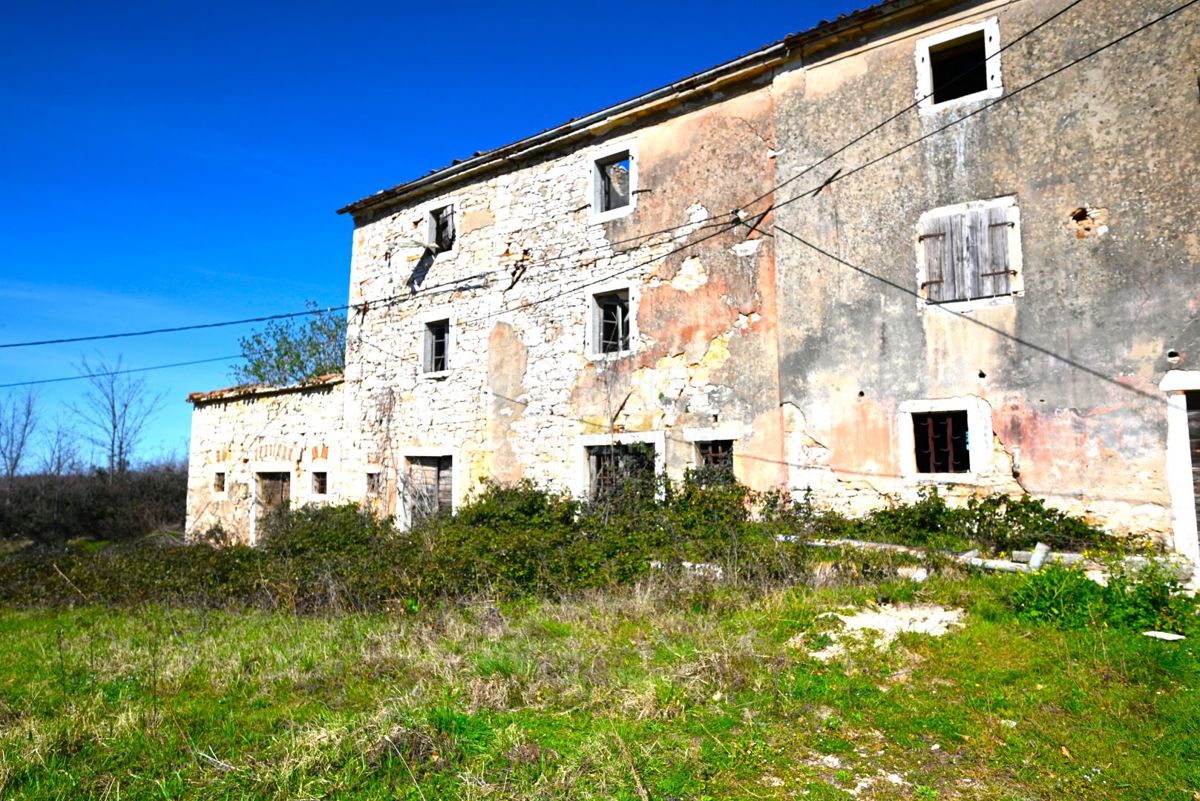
{"points": [[931, 242]]}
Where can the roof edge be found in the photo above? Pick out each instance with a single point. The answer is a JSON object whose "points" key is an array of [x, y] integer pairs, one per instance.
{"points": [[250, 390], [737, 70]]}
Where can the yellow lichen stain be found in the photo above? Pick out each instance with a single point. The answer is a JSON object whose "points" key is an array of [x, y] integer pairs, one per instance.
{"points": [[674, 376], [691, 275]]}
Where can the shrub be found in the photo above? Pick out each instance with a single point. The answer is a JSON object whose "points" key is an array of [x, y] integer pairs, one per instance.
{"points": [[1147, 599]]}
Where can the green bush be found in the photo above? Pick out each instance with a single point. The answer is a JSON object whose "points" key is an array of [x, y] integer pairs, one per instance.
{"points": [[1147, 599], [520, 540]]}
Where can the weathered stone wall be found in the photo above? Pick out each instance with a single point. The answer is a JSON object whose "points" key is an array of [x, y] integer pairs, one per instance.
{"points": [[1069, 369], [297, 431], [523, 393]]}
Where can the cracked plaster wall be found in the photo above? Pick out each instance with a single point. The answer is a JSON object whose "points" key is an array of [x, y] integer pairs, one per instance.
{"points": [[1116, 134], [522, 389]]}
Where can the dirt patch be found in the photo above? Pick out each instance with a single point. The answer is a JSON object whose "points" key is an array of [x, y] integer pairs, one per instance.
{"points": [[880, 626]]}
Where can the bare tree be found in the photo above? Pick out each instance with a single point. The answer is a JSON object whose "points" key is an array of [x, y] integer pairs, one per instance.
{"points": [[17, 423], [60, 455], [116, 408]]}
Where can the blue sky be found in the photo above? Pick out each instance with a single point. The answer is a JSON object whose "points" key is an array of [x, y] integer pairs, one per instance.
{"points": [[172, 163]]}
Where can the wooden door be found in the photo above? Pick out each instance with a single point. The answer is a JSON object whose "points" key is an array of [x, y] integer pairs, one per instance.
{"points": [[274, 490]]}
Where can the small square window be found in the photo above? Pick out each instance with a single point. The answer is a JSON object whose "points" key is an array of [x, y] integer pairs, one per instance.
{"points": [[374, 482], [620, 468], [614, 188], [441, 228], [219, 481], [715, 454], [610, 322], [436, 358], [942, 442], [959, 67], [962, 63], [320, 483]]}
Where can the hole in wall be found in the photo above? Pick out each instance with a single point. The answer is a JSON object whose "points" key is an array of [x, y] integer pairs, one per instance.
{"points": [[982, 374], [1173, 356], [861, 394]]}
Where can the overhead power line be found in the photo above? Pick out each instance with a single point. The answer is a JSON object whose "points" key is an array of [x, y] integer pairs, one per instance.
{"points": [[108, 373], [719, 226]]}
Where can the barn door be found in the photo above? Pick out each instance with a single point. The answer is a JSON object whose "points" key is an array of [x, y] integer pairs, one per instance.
{"points": [[274, 490]]}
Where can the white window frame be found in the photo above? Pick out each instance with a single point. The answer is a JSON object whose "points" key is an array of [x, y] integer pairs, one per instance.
{"points": [[991, 47], [591, 345], [1016, 281], [423, 320], [583, 469], [979, 438], [431, 229], [1179, 462], [603, 153], [403, 511]]}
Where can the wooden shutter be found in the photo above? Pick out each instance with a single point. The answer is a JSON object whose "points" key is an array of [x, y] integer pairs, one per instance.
{"points": [[939, 274], [995, 277]]}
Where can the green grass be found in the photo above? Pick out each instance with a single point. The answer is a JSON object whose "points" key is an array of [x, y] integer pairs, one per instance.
{"points": [[650, 692]]}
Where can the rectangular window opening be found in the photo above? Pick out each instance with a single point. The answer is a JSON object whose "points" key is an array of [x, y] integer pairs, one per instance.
{"points": [[959, 67], [430, 486], [441, 228], [219, 481], [437, 346], [320, 483], [715, 454], [620, 468], [612, 182], [941, 442], [374, 483], [611, 322]]}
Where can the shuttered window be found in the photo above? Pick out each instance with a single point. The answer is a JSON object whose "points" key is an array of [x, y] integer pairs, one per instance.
{"points": [[436, 358], [968, 252], [441, 228], [610, 322], [430, 486]]}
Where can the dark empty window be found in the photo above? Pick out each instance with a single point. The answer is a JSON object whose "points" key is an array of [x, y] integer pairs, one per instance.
{"points": [[959, 67], [441, 228], [942, 442], [611, 323], [430, 486], [219, 482], [437, 346], [612, 182], [620, 468], [320, 483], [374, 483]]}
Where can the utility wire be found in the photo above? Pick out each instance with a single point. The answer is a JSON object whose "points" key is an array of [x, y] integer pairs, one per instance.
{"points": [[845, 174], [717, 225], [118, 372], [963, 316]]}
